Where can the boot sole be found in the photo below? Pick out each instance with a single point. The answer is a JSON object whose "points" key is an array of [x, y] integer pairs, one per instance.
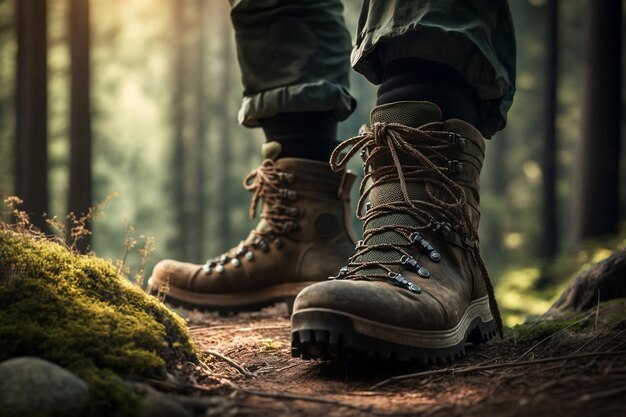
{"points": [[230, 302], [318, 333]]}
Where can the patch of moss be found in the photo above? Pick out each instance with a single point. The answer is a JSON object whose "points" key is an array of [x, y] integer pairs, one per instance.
{"points": [[543, 328], [269, 344], [76, 311], [608, 314]]}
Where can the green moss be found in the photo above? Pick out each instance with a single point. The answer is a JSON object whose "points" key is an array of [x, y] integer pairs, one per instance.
{"points": [[76, 311], [540, 329], [269, 344], [608, 314]]}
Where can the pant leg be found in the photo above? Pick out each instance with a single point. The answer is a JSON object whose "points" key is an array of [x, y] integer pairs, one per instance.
{"points": [[294, 57], [476, 37]]}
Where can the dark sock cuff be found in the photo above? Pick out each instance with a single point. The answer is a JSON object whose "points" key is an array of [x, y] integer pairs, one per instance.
{"points": [[309, 135], [422, 80]]}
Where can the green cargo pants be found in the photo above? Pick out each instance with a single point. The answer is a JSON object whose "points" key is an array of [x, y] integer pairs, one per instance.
{"points": [[294, 54]]}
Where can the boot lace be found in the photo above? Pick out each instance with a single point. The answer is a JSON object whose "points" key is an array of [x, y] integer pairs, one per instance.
{"points": [[267, 183], [442, 204]]}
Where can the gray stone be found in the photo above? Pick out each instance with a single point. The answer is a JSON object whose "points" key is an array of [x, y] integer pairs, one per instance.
{"points": [[33, 386], [158, 404]]}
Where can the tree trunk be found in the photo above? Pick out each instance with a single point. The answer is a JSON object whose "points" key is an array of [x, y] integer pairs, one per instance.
{"points": [[597, 186], [223, 157], [198, 147], [31, 130], [498, 183], [179, 69], [549, 222], [80, 188]]}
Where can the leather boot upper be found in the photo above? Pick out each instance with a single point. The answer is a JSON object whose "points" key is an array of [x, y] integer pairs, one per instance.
{"points": [[303, 235], [418, 264]]}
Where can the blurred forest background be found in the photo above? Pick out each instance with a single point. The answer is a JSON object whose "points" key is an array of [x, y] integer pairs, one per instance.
{"points": [[137, 100]]}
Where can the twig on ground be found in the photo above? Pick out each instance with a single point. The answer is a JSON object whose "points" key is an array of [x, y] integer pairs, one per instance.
{"points": [[494, 366], [552, 335], [243, 371], [602, 394], [595, 326], [296, 397]]}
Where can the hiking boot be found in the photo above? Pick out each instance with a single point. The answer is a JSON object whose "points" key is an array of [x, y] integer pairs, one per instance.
{"points": [[303, 236], [416, 288]]}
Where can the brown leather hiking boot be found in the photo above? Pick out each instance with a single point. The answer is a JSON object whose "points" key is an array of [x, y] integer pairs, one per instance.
{"points": [[416, 288], [303, 236]]}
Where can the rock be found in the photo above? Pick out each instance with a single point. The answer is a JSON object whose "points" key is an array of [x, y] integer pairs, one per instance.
{"points": [[158, 404], [30, 386]]}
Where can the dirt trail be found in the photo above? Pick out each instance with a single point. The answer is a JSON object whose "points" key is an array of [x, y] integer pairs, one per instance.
{"points": [[585, 384]]}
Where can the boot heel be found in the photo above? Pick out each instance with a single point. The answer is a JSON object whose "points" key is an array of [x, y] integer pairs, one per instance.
{"points": [[482, 332], [289, 301]]}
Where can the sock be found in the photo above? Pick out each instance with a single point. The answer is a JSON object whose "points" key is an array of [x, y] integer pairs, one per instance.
{"points": [[308, 135], [418, 79]]}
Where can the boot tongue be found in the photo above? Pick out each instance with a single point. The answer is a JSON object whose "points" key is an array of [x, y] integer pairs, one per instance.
{"points": [[271, 150], [408, 113], [412, 114]]}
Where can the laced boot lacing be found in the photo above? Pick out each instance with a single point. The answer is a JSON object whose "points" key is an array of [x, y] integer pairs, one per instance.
{"points": [[448, 210], [267, 183]]}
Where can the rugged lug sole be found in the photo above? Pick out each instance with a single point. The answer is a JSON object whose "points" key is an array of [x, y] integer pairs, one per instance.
{"points": [[228, 303], [330, 335]]}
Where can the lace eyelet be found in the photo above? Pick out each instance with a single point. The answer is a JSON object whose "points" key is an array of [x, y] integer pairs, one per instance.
{"points": [[400, 281], [262, 244], [457, 140], [415, 237], [455, 167], [410, 262]]}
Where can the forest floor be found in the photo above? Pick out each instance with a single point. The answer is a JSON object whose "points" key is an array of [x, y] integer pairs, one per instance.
{"points": [[574, 368]]}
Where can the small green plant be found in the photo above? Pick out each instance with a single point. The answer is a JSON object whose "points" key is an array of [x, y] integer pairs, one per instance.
{"points": [[147, 246]]}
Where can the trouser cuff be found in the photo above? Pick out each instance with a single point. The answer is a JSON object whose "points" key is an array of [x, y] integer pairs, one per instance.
{"points": [[314, 96]]}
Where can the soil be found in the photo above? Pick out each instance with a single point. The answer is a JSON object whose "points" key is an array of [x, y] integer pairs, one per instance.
{"points": [[590, 380]]}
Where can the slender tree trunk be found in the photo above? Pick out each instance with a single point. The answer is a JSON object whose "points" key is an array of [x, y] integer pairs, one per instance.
{"points": [[80, 188], [223, 159], [31, 130], [498, 183], [179, 70], [597, 186], [7, 106], [198, 148], [549, 222]]}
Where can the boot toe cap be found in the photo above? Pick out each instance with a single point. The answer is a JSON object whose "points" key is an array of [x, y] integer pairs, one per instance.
{"points": [[174, 273], [377, 301]]}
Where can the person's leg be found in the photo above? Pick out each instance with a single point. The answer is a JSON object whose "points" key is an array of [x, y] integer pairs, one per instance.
{"points": [[416, 287], [294, 59], [295, 71], [472, 37]]}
